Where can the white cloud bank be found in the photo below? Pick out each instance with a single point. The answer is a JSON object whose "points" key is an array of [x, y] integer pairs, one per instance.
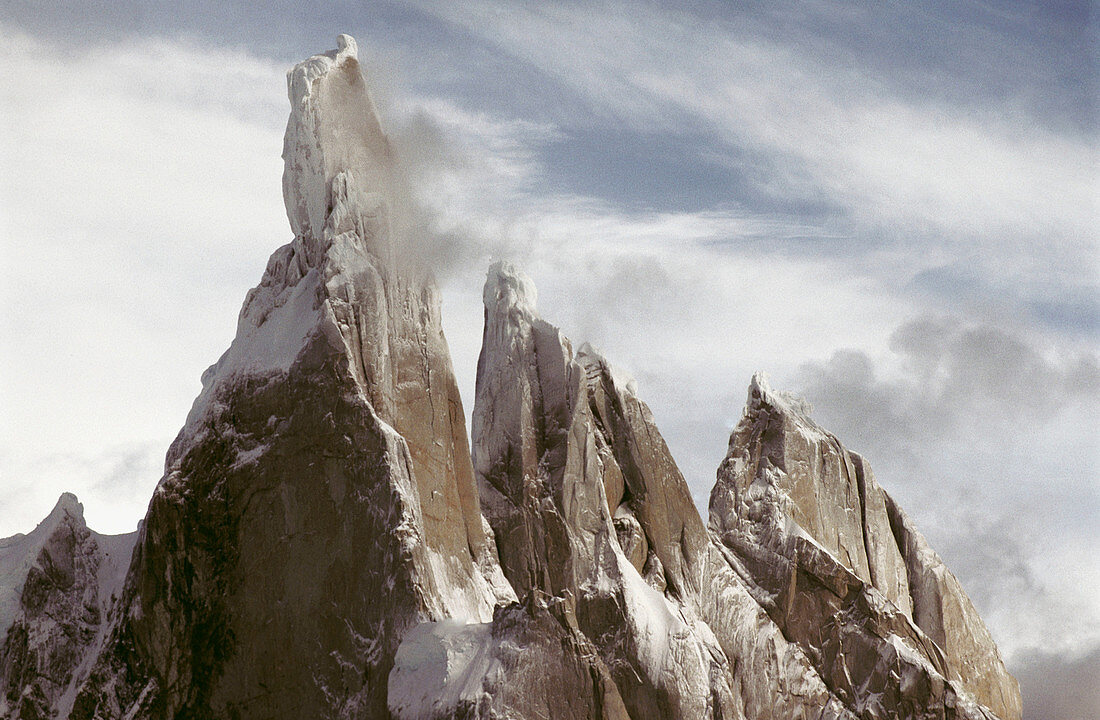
{"points": [[140, 193]]}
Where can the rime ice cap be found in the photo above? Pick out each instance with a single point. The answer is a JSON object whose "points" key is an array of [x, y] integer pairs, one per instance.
{"points": [[333, 128]]}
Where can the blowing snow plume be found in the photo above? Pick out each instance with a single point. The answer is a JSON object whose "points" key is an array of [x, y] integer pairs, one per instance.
{"points": [[334, 130]]}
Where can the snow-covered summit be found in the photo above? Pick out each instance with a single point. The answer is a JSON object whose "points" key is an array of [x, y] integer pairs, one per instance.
{"points": [[792, 502], [333, 128], [589, 355], [19, 553], [68, 504], [57, 585], [761, 394], [331, 426], [509, 292], [337, 181]]}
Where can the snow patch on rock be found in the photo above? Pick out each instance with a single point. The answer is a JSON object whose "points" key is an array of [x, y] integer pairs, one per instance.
{"points": [[761, 393], [621, 380], [19, 553], [275, 325], [438, 666]]}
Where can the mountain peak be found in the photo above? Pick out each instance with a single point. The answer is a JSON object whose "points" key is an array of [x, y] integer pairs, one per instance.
{"points": [[762, 394], [590, 356], [333, 129], [345, 45], [337, 187], [507, 288], [69, 504], [815, 532]]}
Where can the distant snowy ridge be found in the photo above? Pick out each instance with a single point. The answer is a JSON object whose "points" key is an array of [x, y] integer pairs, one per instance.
{"points": [[59, 585]]}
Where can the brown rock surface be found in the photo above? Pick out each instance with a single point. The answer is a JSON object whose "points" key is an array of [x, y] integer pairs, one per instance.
{"points": [[572, 467], [320, 499], [942, 610], [864, 606]]}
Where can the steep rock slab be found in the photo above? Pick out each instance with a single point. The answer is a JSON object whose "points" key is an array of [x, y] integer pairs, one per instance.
{"points": [[343, 194], [658, 524], [319, 500], [57, 587], [652, 488], [832, 577], [541, 478], [588, 507], [942, 609], [538, 468]]}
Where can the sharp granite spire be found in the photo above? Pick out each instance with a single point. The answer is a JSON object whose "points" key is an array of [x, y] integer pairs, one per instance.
{"points": [[320, 499], [333, 128]]}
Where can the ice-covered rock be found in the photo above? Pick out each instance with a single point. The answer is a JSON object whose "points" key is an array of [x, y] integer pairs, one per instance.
{"points": [[842, 571], [587, 506], [531, 661], [333, 129], [58, 585], [320, 499], [541, 477], [941, 608]]}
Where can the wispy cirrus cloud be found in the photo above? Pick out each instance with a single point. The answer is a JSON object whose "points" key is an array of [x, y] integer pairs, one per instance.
{"points": [[914, 179]]}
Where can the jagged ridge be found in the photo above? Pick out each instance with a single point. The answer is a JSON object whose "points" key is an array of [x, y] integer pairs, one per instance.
{"points": [[322, 543], [58, 586], [816, 539]]}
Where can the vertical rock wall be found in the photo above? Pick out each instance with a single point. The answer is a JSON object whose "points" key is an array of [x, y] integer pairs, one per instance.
{"points": [[827, 553], [320, 499]]}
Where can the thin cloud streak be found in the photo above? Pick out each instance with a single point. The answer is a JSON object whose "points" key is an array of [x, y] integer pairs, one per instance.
{"points": [[989, 183]]}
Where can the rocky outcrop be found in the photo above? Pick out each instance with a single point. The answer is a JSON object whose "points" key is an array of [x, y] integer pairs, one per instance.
{"points": [[57, 588], [943, 611], [840, 569], [771, 678], [541, 476], [588, 507]]}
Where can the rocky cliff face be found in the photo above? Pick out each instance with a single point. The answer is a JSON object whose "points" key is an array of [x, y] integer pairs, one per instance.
{"points": [[58, 585], [319, 501], [842, 571], [324, 544], [587, 505]]}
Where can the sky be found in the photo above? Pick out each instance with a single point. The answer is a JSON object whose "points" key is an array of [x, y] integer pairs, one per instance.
{"points": [[891, 208]]}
